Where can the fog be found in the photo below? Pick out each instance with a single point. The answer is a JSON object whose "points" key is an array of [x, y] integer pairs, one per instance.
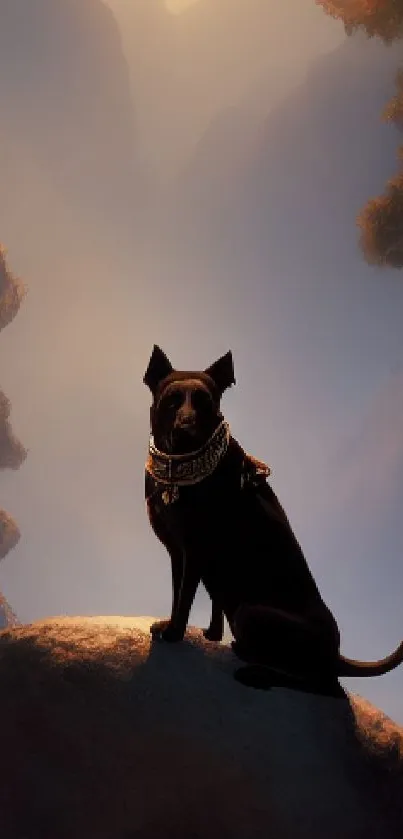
{"points": [[193, 180]]}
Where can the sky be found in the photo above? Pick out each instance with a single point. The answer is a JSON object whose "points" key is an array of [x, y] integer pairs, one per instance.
{"points": [[178, 6], [184, 68], [198, 194]]}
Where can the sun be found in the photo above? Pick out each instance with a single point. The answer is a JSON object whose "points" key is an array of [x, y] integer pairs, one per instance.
{"points": [[178, 6]]}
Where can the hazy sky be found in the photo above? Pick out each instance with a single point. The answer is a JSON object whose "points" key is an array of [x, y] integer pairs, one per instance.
{"points": [[178, 6], [234, 229], [217, 53]]}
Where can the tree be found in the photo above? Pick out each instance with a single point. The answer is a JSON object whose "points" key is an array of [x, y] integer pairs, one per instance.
{"points": [[12, 452], [381, 18], [381, 220], [381, 224]]}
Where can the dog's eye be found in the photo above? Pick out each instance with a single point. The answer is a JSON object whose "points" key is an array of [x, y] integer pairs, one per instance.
{"points": [[173, 400], [200, 400]]}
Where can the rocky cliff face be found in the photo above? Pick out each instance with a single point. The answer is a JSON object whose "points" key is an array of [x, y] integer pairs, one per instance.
{"points": [[67, 117], [111, 737]]}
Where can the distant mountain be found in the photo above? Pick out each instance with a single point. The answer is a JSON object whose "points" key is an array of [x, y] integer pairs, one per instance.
{"points": [[270, 209], [185, 68], [326, 148], [323, 149], [67, 135]]}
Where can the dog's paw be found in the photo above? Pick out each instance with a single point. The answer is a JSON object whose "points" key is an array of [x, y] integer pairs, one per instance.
{"points": [[158, 626], [172, 634], [213, 633], [166, 631]]}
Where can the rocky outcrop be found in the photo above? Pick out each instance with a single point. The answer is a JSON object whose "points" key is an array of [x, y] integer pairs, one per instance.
{"points": [[111, 736]]}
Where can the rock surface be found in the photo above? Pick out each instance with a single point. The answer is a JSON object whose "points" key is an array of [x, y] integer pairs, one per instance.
{"points": [[106, 735]]}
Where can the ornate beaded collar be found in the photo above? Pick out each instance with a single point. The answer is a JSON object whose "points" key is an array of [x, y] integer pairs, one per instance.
{"points": [[175, 470]]}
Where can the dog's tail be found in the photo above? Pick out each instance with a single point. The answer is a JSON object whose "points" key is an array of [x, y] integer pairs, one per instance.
{"points": [[350, 667]]}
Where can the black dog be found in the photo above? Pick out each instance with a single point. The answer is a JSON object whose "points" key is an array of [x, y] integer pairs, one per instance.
{"points": [[211, 506]]}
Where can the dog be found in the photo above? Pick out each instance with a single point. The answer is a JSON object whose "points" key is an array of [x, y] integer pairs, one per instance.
{"points": [[212, 507]]}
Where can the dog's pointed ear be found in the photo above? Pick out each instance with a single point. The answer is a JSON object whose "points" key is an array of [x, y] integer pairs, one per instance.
{"points": [[222, 372], [159, 366]]}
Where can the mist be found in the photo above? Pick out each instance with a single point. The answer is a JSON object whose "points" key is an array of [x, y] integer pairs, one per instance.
{"points": [[193, 180]]}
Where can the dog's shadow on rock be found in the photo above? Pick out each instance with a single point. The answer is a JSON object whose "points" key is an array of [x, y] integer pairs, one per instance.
{"points": [[261, 677], [307, 723], [251, 676], [337, 720]]}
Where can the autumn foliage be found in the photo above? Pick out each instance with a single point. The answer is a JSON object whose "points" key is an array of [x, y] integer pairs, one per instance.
{"points": [[381, 225], [394, 108], [381, 220], [12, 452], [381, 18], [12, 292]]}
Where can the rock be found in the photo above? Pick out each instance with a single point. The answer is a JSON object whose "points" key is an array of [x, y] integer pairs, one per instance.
{"points": [[108, 735]]}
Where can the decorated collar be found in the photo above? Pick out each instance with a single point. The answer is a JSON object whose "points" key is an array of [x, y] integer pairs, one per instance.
{"points": [[175, 470]]}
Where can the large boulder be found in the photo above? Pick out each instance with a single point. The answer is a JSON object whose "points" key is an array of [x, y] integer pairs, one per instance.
{"points": [[108, 735]]}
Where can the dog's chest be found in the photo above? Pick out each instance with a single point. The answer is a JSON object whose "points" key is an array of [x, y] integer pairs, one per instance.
{"points": [[214, 519]]}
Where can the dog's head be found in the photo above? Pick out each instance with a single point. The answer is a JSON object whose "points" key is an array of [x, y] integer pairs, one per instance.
{"points": [[186, 404]]}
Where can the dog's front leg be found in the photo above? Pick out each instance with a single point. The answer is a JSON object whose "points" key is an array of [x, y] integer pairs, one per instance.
{"points": [[215, 631], [177, 566], [191, 577]]}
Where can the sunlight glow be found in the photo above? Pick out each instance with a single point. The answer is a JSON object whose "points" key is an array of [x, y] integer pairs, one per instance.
{"points": [[178, 6]]}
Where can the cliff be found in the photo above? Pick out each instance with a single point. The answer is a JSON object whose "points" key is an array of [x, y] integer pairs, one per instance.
{"points": [[68, 137]]}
